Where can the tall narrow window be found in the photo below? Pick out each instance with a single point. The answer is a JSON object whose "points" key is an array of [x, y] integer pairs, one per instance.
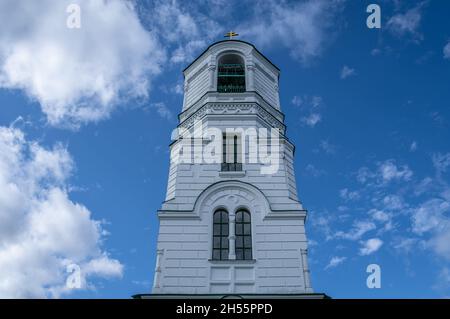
{"points": [[220, 235], [231, 74], [243, 235], [232, 152]]}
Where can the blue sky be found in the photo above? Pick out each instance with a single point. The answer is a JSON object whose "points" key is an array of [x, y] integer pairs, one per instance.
{"points": [[86, 116]]}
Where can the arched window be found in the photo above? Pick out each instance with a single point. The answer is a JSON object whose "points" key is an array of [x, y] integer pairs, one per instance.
{"points": [[243, 230], [231, 74], [220, 235]]}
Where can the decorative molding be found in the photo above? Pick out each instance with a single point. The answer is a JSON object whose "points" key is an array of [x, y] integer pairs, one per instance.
{"points": [[246, 97], [225, 108]]}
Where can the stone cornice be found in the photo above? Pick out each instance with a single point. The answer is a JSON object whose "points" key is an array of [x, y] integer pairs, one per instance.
{"points": [[246, 97], [224, 108]]}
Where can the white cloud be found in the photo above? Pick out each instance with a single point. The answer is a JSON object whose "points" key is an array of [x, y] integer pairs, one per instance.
{"points": [[178, 89], [390, 171], [386, 172], [305, 28], [297, 100], [162, 110], [327, 147], [440, 242], [183, 28], [322, 223], [346, 72], [393, 202], [423, 186], [76, 75], [312, 119], [186, 53], [407, 23], [358, 229], [335, 261], [382, 218], [370, 246], [447, 51], [430, 216], [406, 245], [441, 162], [310, 105], [42, 231], [379, 215], [348, 195], [176, 22], [413, 146], [364, 174]]}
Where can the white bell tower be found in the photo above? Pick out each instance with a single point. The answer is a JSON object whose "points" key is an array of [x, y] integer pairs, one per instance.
{"points": [[231, 222]]}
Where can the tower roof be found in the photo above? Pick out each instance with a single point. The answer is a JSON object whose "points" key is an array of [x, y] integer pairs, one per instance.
{"points": [[230, 40]]}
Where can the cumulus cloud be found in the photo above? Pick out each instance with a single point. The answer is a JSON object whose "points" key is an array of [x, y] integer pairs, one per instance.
{"points": [[425, 185], [430, 216], [335, 261], [390, 171], [183, 27], [358, 229], [386, 172], [76, 75], [42, 231], [346, 72], [364, 174], [380, 215], [327, 147], [441, 162], [370, 246], [305, 27], [407, 23], [382, 218], [322, 222], [312, 119], [348, 195], [393, 202], [310, 107], [432, 220], [162, 110]]}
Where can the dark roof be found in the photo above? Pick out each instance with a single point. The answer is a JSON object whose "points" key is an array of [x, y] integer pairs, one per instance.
{"points": [[234, 41]]}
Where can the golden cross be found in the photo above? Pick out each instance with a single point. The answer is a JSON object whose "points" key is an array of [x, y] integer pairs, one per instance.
{"points": [[231, 34]]}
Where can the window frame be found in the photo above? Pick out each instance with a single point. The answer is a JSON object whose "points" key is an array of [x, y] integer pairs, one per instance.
{"points": [[236, 152], [247, 245], [223, 237]]}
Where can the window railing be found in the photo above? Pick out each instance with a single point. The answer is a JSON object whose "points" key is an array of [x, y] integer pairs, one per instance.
{"points": [[231, 167], [231, 70], [231, 78]]}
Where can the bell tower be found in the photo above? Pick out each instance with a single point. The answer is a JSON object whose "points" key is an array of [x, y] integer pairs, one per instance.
{"points": [[231, 222]]}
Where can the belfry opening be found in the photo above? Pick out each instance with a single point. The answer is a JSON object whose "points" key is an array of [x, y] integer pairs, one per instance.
{"points": [[231, 74]]}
